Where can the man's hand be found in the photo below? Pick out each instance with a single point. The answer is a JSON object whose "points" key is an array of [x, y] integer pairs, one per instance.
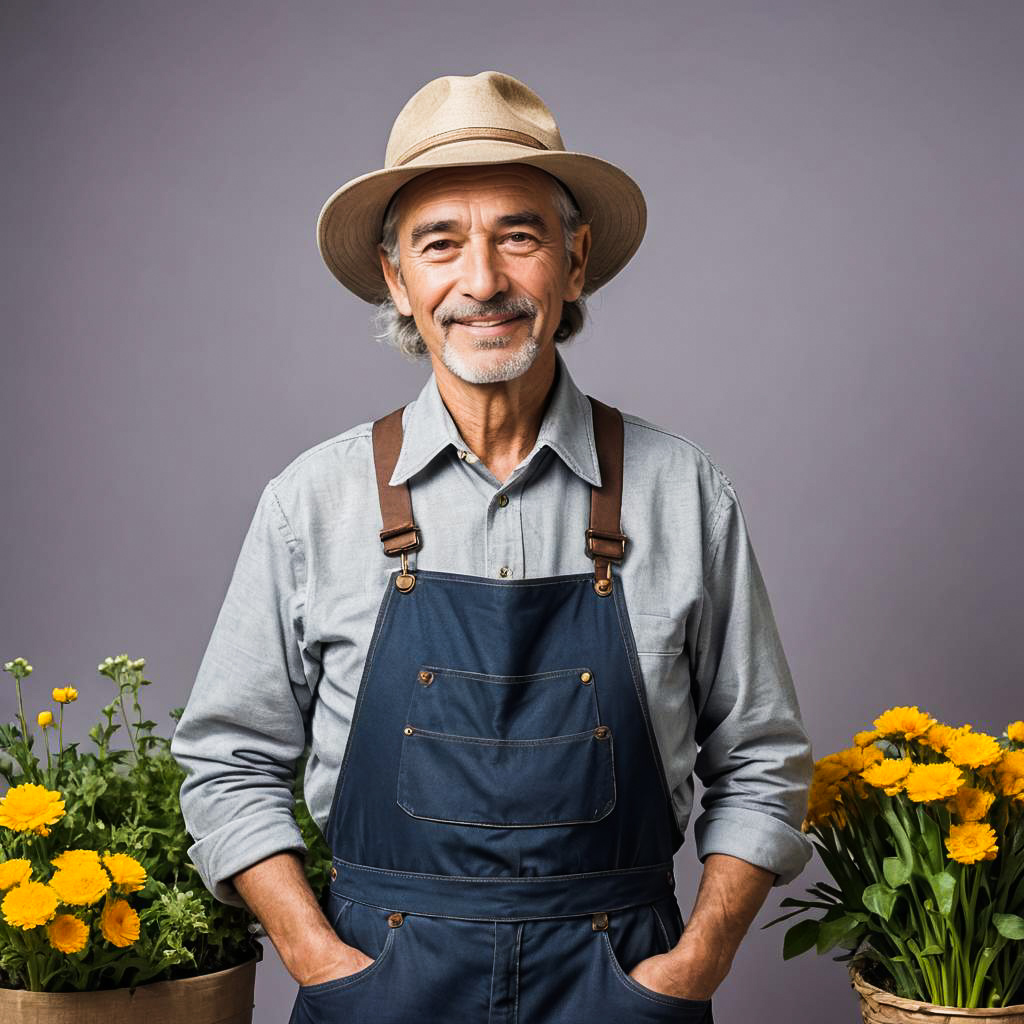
{"points": [[277, 892], [730, 894], [335, 960]]}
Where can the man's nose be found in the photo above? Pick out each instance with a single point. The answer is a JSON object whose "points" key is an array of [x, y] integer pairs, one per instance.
{"points": [[482, 273]]}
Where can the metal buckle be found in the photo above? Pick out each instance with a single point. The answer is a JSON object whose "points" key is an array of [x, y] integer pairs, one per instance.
{"points": [[602, 535], [397, 531]]}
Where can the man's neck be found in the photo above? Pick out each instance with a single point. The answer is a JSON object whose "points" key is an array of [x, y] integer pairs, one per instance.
{"points": [[500, 421]]}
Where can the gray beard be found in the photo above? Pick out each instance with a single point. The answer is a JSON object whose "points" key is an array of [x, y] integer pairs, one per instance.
{"points": [[514, 365]]}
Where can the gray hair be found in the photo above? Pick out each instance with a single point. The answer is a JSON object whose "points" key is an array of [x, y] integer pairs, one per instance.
{"points": [[402, 332]]}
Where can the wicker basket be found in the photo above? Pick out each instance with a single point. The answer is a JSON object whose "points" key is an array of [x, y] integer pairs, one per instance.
{"points": [[880, 1007], [225, 997]]}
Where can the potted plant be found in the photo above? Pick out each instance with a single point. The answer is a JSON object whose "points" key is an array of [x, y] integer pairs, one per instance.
{"points": [[921, 826], [102, 916]]}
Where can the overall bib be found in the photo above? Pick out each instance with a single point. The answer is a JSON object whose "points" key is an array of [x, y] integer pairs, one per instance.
{"points": [[501, 829]]}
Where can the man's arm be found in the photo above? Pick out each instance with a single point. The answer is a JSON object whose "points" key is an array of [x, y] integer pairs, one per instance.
{"points": [[730, 894], [754, 759], [244, 727], [277, 892]]}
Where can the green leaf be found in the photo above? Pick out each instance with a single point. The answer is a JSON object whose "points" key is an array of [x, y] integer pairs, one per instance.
{"points": [[880, 899], [1009, 925], [932, 838], [944, 887], [799, 939], [902, 840], [830, 932], [895, 871], [932, 949]]}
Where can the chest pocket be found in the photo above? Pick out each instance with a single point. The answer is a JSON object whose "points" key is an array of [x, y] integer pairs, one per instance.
{"points": [[506, 751]]}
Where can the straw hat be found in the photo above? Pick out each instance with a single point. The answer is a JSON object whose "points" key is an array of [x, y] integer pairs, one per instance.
{"points": [[486, 118]]}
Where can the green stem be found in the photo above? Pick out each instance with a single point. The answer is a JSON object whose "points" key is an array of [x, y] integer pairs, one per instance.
{"points": [[127, 724]]}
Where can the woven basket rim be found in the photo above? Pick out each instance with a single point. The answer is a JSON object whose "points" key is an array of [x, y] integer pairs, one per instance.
{"points": [[880, 995]]}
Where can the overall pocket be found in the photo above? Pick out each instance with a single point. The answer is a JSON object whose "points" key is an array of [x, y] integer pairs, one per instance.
{"points": [[506, 751], [636, 934]]}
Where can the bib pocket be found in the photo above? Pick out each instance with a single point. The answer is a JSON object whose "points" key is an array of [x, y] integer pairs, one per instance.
{"points": [[506, 751]]}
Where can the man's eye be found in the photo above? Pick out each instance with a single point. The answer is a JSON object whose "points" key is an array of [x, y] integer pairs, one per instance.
{"points": [[440, 241], [521, 236]]}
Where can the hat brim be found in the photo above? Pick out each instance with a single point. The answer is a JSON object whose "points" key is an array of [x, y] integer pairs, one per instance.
{"points": [[349, 225]]}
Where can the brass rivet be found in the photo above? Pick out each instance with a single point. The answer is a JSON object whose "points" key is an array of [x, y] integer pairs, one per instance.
{"points": [[585, 677], [405, 581], [603, 587], [426, 678], [599, 922], [503, 500], [395, 919], [334, 873], [601, 731], [408, 730]]}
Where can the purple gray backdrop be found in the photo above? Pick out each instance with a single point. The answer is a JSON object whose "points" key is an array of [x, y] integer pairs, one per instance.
{"points": [[829, 300]]}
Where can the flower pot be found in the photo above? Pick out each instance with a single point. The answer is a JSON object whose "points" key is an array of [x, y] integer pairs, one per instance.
{"points": [[225, 997], [880, 1007]]}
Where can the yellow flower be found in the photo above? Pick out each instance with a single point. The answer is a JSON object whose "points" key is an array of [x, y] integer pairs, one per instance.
{"points": [[67, 933], [937, 736], [119, 923], [29, 905], [888, 774], [1009, 773], [972, 842], [973, 749], [128, 874], [1015, 731], [828, 770], [971, 804], [866, 738], [822, 801], [14, 872], [933, 781], [76, 858], [907, 722], [30, 808], [80, 884], [44, 718], [64, 694]]}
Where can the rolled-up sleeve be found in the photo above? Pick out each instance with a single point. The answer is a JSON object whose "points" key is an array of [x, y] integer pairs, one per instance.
{"points": [[754, 756], [244, 726]]}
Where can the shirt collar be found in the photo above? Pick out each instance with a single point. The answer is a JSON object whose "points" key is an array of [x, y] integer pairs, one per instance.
{"points": [[567, 428]]}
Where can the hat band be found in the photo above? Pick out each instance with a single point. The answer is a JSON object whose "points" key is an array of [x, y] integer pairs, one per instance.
{"points": [[462, 134]]}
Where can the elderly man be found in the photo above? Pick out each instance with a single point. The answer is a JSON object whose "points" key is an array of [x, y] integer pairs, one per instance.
{"points": [[509, 621]]}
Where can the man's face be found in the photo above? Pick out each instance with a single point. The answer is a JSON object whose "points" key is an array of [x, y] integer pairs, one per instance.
{"points": [[483, 267]]}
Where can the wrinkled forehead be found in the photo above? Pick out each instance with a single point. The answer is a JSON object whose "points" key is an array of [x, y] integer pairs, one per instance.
{"points": [[498, 184]]}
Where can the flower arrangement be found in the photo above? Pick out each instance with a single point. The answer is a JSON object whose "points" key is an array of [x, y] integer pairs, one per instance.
{"points": [[96, 889], [921, 826]]}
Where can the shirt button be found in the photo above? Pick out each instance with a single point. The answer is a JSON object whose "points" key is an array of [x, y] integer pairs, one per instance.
{"points": [[467, 456], [504, 571], [503, 500]]}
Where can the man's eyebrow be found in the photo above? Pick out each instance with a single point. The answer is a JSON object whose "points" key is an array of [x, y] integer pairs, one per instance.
{"points": [[528, 218]]}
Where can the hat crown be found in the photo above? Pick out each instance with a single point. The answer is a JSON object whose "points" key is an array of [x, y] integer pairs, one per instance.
{"points": [[457, 108]]}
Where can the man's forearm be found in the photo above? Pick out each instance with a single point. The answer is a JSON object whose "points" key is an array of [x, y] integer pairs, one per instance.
{"points": [[277, 891], [730, 894]]}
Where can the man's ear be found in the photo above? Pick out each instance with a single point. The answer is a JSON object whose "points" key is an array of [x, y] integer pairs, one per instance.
{"points": [[577, 264], [396, 286]]}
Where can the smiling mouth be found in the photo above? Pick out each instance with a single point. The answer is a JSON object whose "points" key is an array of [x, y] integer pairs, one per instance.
{"points": [[482, 323]]}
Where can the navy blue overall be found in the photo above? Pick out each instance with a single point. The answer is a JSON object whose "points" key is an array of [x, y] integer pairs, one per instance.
{"points": [[501, 829]]}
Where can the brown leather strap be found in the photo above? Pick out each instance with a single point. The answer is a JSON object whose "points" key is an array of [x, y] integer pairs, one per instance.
{"points": [[400, 532], [605, 540]]}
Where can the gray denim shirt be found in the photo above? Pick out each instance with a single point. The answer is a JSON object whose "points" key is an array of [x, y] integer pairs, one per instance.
{"points": [[284, 662]]}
